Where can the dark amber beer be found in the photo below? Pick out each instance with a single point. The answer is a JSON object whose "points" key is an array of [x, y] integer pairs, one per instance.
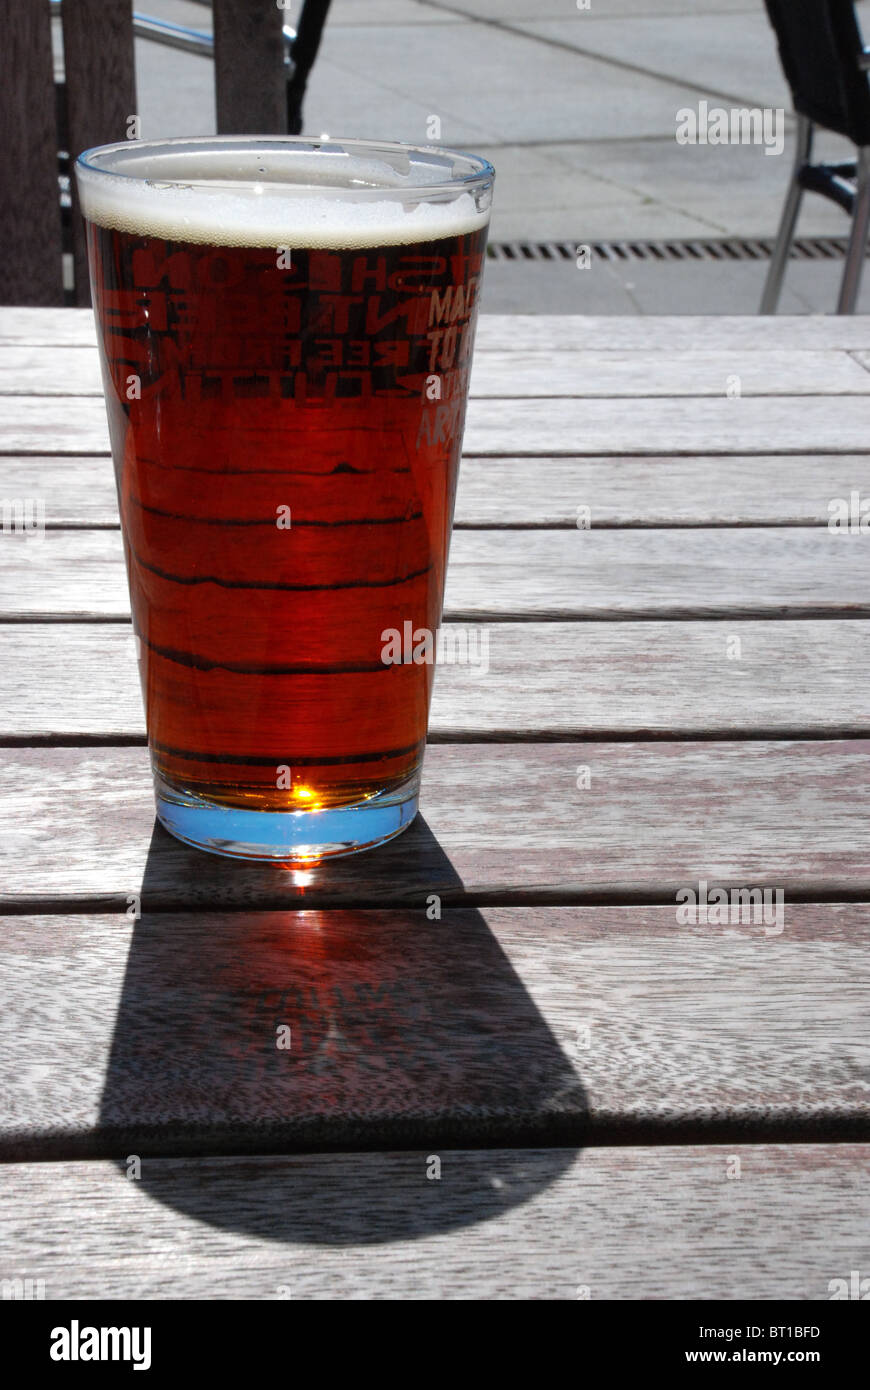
{"points": [[286, 335]]}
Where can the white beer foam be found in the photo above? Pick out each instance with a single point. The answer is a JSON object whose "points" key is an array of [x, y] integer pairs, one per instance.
{"points": [[227, 212]]}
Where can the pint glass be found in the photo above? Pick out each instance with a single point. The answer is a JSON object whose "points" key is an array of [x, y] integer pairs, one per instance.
{"points": [[285, 331]]}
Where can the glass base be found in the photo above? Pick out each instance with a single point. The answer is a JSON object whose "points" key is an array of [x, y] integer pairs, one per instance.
{"points": [[289, 837]]}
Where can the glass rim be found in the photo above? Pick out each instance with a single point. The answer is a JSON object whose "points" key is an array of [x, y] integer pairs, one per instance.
{"points": [[480, 173]]}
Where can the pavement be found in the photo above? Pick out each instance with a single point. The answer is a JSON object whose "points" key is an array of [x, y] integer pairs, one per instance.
{"points": [[578, 109]]}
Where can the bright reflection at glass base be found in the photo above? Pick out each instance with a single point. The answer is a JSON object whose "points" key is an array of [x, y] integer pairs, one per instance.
{"points": [[302, 878], [299, 840]]}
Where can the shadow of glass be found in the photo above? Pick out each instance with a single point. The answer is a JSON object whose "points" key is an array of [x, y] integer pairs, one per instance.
{"points": [[313, 1029]]}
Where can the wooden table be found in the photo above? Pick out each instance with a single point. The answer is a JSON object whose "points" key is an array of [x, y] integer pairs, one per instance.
{"points": [[621, 1106]]}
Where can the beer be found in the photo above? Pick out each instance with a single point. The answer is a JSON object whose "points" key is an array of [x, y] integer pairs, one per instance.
{"points": [[285, 403]]}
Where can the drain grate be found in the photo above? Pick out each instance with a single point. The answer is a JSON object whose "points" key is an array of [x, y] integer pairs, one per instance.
{"points": [[820, 248]]}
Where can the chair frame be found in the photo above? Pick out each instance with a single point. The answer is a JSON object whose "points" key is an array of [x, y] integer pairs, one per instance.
{"points": [[830, 181], [846, 183]]}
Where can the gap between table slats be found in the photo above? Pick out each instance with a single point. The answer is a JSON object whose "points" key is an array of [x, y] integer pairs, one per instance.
{"points": [[762, 424], [75, 371], [665, 491], [554, 332], [482, 1027], [596, 681], [604, 575], [499, 823]]}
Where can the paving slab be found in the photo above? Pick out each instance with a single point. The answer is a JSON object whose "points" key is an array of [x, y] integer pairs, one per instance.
{"points": [[382, 12], [734, 189], [638, 287], [508, 11], [344, 100], [596, 221], [538, 190], [187, 12], [174, 91], [507, 85], [732, 56]]}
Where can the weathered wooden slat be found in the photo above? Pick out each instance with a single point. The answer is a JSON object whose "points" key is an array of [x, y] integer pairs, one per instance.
{"points": [[764, 425], [100, 86], [659, 491], [471, 1029], [689, 573], [250, 80], [602, 680], [605, 1223], [664, 491], [497, 1025], [499, 822], [669, 333], [555, 332], [77, 491], [58, 371], [75, 371], [42, 327], [649, 372], [863, 357], [30, 225]]}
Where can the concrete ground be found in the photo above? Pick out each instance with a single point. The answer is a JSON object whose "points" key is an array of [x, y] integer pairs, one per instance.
{"points": [[577, 109]]}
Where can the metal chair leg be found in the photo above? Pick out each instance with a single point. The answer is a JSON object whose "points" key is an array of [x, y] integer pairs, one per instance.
{"points": [[785, 235], [858, 236]]}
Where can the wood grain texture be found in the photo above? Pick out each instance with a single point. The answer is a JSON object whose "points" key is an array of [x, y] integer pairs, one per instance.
{"points": [[31, 424], [598, 680], [73, 491], [671, 333], [536, 1224], [75, 371], [701, 490], [42, 327], [863, 357], [779, 490], [499, 822], [556, 865], [55, 371], [499, 1025], [538, 574], [30, 224], [650, 372], [772, 424], [100, 91], [764, 425], [250, 80]]}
